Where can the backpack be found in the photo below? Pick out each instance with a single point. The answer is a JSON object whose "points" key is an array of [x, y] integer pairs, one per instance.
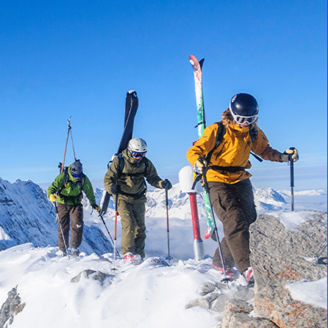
{"points": [[253, 131]]}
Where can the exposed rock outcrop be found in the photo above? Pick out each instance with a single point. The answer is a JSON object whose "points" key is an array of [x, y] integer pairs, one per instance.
{"points": [[11, 307], [281, 256]]}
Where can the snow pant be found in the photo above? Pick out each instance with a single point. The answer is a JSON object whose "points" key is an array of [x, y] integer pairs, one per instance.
{"points": [[234, 206], [132, 215], [65, 212]]}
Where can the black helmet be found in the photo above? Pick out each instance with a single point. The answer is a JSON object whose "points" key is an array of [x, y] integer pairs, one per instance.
{"points": [[244, 108], [76, 169]]}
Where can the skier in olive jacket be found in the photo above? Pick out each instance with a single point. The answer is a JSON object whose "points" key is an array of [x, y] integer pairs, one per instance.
{"points": [[125, 179], [230, 188], [66, 193]]}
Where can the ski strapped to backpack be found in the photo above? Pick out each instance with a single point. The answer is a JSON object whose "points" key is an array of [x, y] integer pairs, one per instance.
{"points": [[253, 132]]}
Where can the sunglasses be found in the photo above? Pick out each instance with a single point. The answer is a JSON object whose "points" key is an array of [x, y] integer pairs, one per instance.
{"points": [[138, 155]]}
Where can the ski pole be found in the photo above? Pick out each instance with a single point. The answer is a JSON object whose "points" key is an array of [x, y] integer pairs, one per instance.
{"points": [[167, 223], [215, 226], [115, 226], [61, 229], [109, 234], [291, 164]]}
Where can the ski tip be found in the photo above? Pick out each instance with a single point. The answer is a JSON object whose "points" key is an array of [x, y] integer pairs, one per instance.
{"points": [[193, 60], [132, 92]]}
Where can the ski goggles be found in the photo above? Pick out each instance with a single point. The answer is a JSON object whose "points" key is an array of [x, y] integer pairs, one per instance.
{"points": [[243, 120], [138, 154]]}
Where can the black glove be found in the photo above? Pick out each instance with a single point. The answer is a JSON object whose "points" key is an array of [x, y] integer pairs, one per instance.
{"points": [[115, 189], [166, 184]]}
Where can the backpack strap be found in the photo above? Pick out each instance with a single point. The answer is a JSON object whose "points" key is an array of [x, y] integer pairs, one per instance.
{"points": [[253, 132], [219, 138]]}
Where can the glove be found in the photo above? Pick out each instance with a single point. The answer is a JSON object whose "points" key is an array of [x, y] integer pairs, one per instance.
{"points": [[290, 153], [200, 164], [166, 184], [115, 189], [53, 198], [96, 207]]}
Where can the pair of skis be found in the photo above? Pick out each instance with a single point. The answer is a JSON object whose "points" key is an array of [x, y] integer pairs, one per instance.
{"points": [[201, 125]]}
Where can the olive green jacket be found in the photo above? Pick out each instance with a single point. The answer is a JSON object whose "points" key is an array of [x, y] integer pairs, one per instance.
{"points": [[71, 192], [132, 178]]}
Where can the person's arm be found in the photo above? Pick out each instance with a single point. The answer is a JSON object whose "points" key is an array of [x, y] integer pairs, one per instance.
{"points": [[262, 148], [152, 176], [55, 187], [88, 190], [204, 145]]}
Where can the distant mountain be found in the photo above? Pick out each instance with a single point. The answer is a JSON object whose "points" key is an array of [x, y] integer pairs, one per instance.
{"points": [[26, 216]]}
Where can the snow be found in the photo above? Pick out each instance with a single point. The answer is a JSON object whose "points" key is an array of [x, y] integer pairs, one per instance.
{"points": [[131, 296], [304, 291], [137, 296], [291, 220]]}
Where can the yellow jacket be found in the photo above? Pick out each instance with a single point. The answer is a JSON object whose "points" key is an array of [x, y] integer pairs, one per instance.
{"points": [[234, 150]]}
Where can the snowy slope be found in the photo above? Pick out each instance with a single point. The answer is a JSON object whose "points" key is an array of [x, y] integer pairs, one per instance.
{"points": [[130, 296]]}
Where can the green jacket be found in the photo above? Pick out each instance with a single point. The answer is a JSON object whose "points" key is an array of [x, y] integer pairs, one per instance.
{"points": [[132, 178], [71, 192]]}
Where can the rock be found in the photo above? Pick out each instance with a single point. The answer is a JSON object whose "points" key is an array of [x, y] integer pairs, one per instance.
{"points": [[11, 307], [236, 314], [201, 302], [91, 274], [278, 257], [208, 287]]}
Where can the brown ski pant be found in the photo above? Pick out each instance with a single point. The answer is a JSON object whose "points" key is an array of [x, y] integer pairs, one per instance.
{"points": [[65, 212], [133, 226], [234, 206]]}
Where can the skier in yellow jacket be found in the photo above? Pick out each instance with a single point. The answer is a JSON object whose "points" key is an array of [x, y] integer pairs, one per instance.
{"points": [[230, 188]]}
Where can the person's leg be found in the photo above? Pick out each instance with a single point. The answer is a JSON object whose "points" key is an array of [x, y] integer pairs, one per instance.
{"points": [[76, 214], [128, 223], [63, 226], [224, 198], [140, 230]]}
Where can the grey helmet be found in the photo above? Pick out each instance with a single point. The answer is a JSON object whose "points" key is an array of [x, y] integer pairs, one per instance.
{"points": [[137, 148]]}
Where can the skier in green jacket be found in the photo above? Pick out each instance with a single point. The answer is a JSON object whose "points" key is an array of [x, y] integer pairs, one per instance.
{"points": [[66, 193]]}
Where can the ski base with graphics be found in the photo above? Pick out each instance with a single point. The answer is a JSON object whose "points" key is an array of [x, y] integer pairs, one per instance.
{"points": [[201, 125]]}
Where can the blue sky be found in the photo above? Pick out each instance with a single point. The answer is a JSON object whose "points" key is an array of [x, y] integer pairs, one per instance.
{"points": [[79, 58]]}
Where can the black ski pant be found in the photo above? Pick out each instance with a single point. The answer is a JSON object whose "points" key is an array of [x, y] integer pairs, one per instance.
{"points": [[234, 206]]}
